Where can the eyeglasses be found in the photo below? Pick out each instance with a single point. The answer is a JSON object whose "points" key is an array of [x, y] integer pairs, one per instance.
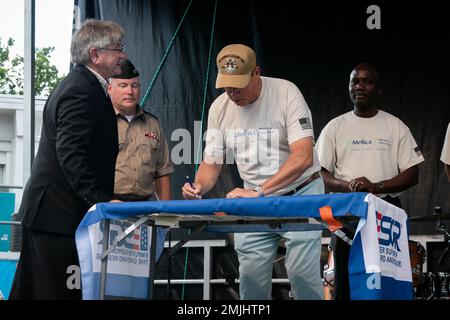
{"points": [[120, 49]]}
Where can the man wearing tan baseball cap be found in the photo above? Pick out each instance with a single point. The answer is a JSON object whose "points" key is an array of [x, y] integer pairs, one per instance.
{"points": [[268, 126], [235, 63]]}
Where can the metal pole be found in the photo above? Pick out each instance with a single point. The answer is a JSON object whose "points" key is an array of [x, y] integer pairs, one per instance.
{"points": [[151, 280], [28, 88], [104, 261], [10, 186], [169, 267], [207, 272], [17, 223]]}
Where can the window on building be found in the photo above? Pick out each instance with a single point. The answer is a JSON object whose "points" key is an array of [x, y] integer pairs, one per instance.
{"points": [[2, 174]]}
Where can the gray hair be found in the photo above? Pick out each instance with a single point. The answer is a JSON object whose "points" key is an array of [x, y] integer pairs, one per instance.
{"points": [[94, 34]]}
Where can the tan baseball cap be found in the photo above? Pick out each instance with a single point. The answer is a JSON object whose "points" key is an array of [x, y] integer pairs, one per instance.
{"points": [[235, 64]]}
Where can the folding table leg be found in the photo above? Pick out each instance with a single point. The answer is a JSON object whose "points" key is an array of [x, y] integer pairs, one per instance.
{"points": [[104, 260], [151, 274]]}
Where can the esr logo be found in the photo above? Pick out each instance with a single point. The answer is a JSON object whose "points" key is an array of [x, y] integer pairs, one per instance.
{"points": [[389, 231]]}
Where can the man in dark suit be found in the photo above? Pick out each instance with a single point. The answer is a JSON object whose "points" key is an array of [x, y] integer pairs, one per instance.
{"points": [[74, 166]]}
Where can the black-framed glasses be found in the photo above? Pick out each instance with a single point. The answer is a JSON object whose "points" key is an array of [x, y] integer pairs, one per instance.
{"points": [[120, 49]]}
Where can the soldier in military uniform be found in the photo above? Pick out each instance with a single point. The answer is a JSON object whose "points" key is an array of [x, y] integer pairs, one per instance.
{"points": [[143, 164]]}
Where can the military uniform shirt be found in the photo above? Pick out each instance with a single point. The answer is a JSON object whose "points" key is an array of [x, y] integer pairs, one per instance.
{"points": [[143, 154]]}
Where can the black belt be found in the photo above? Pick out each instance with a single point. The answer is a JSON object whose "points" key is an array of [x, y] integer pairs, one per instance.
{"points": [[130, 197], [311, 178]]}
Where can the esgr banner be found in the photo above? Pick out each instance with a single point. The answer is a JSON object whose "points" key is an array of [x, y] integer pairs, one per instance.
{"points": [[379, 264], [128, 264]]}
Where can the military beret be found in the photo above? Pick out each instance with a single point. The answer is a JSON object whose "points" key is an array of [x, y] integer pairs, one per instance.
{"points": [[128, 71]]}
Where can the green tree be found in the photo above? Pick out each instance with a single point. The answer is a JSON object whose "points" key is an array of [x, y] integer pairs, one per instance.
{"points": [[11, 71], [4, 58]]}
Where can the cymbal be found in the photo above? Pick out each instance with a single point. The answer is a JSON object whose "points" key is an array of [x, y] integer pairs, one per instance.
{"points": [[431, 217]]}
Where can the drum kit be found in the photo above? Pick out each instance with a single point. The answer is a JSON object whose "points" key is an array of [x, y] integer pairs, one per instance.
{"points": [[430, 285], [426, 285]]}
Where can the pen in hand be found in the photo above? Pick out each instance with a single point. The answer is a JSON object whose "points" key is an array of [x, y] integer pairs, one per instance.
{"points": [[188, 180]]}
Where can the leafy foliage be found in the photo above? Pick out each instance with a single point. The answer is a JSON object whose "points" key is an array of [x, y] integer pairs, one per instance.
{"points": [[11, 71]]}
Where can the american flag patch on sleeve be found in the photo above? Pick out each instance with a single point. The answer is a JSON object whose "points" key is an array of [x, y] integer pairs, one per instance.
{"points": [[305, 123], [417, 151]]}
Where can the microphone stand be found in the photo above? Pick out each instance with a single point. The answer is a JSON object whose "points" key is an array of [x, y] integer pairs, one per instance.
{"points": [[441, 227], [436, 284]]}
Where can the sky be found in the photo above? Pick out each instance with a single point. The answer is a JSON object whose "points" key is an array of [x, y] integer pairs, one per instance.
{"points": [[53, 28]]}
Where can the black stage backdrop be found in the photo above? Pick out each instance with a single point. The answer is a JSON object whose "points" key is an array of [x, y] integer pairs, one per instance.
{"points": [[315, 46]]}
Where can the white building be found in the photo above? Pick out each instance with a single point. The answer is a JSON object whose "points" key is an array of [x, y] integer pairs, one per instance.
{"points": [[11, 143]]}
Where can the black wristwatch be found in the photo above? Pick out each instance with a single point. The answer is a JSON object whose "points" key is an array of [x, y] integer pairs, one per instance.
{"points": [[380, 186], [260, 191]]}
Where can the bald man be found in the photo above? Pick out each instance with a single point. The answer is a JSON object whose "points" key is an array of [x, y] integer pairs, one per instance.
{"points": [[366, 150]]}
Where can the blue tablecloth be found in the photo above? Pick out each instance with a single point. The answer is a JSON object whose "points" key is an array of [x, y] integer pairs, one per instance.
{"points": [[379, 259]]}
